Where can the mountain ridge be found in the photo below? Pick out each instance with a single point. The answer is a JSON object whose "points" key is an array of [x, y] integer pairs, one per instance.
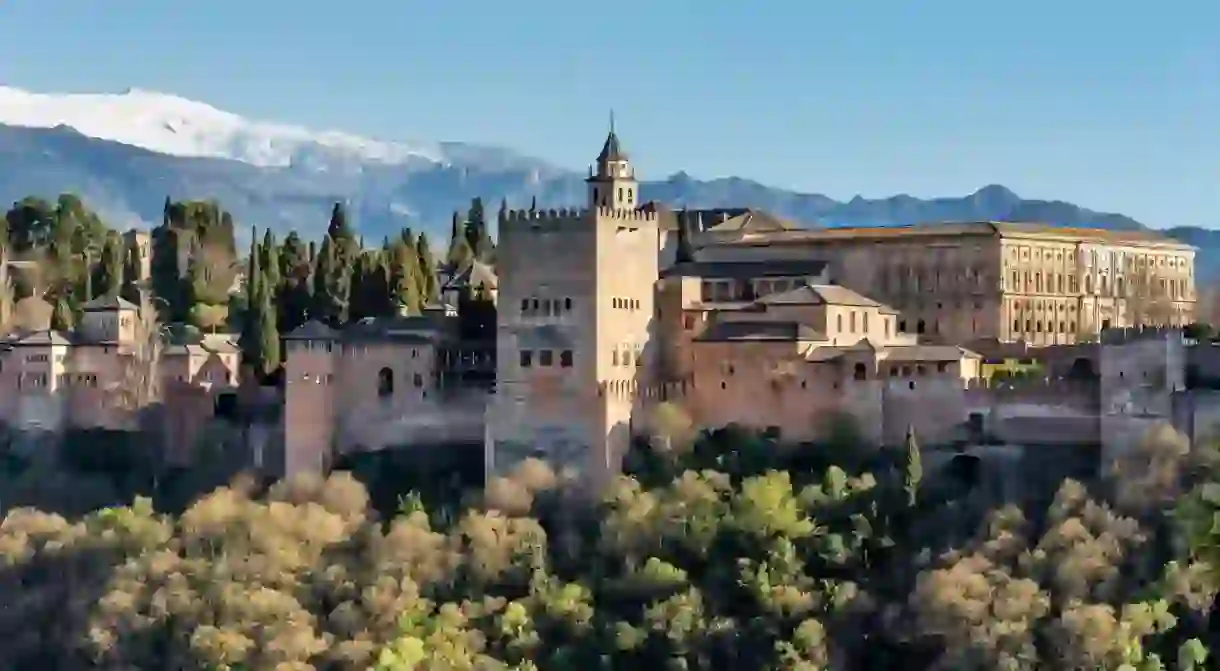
{"points": [[124, 153]]}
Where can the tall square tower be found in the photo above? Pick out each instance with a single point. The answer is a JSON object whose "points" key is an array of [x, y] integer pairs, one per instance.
{"points": [[575, 327]]}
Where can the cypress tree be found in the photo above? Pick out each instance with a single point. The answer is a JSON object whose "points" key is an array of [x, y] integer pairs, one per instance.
{"points": [[62, 318], [270, 261], [339, 229], [250, 338], [684, 252], [131, 290], [267, 329], [110, 270], [296, 287], [913, 469], [331, 283], [429, 283], [477, 236], [455, 228], [404, 287]]}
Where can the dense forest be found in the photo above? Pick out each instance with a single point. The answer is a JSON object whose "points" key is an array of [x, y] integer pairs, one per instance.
{"points": [[201, 280], [714, 551]]}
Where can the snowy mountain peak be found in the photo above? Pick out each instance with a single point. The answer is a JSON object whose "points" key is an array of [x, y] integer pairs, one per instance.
{"points": [[169, 124]]}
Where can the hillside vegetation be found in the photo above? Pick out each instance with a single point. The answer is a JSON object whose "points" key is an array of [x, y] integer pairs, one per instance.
{"points": [[713, 552]]}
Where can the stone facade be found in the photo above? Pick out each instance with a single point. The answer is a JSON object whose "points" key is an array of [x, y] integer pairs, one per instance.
{"points": [[997, 281], [97, 376], [600, 314]]}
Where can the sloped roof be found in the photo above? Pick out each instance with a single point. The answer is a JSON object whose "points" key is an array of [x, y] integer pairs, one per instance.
{"points": [[312, 330], [40, 338], [916, 353], [103, 303], [782, 331], [418, 329], [753, 221], [747, 269], [473, 275], [987, 229], [611, 151], [822, 294]]}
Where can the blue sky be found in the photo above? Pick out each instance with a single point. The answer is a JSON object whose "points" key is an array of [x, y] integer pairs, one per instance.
{"points": [[1114, 106]]}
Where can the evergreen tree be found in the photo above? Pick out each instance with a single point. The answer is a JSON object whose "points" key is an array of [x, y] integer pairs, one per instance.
{"points": [[685, 252], [429, 283], [131, 289], [339, 230], [476, 234], [370, 296], [62, 318], [455, 228], [267, 329], [270, 261], [110, 270], [296, 288], [913, 469], [250, 338], [332, 283], [404, 289]]}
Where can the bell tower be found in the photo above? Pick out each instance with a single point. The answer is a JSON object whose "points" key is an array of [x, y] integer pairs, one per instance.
{"points": [[612, 180]]}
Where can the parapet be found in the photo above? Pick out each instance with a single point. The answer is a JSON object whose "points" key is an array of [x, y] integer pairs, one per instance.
{"points": [[542, 217], [628, 215], [1033, 384], [661, 391], [1130, 334]]}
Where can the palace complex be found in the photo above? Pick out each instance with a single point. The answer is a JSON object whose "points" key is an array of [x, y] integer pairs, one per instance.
{"points": [[597, 314]]}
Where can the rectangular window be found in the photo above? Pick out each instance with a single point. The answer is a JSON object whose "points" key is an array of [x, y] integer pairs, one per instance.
{"points": [[565, 358], [527, 358], [545, 357]]}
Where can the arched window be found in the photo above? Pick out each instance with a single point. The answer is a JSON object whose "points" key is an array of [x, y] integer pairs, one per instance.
{"points": [[861, 373], [385, 383]]}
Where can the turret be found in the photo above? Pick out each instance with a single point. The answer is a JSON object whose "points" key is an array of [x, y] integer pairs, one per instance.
{"points": [[612, 180]]}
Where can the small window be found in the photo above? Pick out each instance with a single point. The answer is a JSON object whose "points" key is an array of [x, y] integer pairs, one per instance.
{"points": [[942, 367], [567, 304], [385, 383], [525, 305], [860, 372], [565, 358], [418, 380], [545, 357], [527, 358]]}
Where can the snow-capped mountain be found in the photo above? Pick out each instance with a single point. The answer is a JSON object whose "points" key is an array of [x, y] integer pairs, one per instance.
{"points": [[124, 153], [168, 124]]}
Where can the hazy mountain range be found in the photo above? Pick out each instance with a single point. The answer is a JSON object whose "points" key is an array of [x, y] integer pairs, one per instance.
{"points": [[124, 153]]}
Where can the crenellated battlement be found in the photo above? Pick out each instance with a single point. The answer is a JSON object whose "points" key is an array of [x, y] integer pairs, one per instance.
{"points": [[545, 216]]}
